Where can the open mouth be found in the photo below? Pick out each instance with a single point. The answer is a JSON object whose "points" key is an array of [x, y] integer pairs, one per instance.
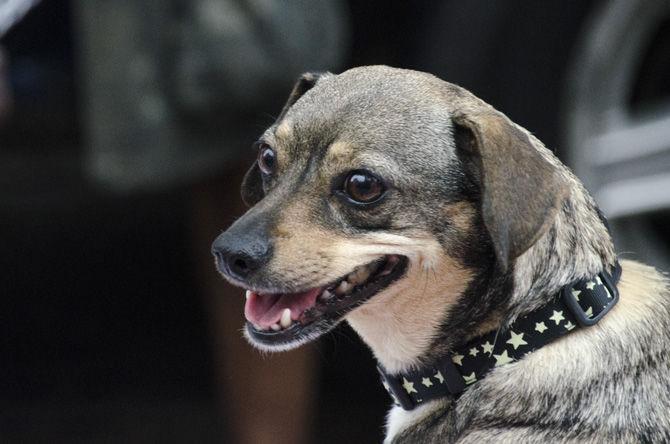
{"points": [[283, 318]]}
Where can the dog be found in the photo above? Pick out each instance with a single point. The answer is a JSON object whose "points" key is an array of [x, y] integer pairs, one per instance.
{"points": [[426, 219]]}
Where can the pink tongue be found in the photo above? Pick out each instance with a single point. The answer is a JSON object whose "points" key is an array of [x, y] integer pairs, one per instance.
{"points": [[265, 310]]}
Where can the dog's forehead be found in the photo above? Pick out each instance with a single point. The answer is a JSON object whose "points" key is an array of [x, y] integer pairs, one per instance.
{"points": [[374, 111]]}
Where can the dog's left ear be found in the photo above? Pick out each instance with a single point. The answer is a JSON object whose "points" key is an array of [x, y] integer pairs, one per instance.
{"points": [[252, 186], [305, 82], [521, 189]]}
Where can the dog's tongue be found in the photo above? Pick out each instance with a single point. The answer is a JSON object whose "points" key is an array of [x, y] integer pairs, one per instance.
{"points": [[266, 309]]}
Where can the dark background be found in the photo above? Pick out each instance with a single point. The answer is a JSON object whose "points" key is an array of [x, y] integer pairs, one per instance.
{"points": [[104, 335]]}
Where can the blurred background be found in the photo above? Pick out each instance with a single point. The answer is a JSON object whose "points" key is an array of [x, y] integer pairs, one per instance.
{"points": [[125, 129]]}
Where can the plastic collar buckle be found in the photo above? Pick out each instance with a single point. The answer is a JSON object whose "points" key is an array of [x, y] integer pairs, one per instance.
{"points": [[578, 312]]}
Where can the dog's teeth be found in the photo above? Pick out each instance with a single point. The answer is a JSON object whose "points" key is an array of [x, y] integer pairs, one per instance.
{"points": [[363, 274], [247, 294], [390, 263], [286, 318], [257, 327], [275, 327], [326, 295], [342, 288], [352, 278]]}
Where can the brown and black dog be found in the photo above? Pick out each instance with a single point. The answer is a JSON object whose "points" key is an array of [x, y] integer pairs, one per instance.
{"points": [[425, 218]]}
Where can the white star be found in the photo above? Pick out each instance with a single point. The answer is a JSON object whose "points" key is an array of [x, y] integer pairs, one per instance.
{"points": [[503, 359], [590, 285], [469, 379], [474, 351], [540, 327], [426, 382], [458, 359], [557, 317], [408, 386], [589, 312], [439, 377], [569, 325], [487, 347], [576, 293], [516, 340]]}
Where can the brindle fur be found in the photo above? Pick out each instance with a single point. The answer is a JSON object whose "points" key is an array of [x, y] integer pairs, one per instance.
{"points": [[494, 225]]}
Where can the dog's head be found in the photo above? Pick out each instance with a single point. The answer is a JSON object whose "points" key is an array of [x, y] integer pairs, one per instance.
{"points": [[377, 196]]}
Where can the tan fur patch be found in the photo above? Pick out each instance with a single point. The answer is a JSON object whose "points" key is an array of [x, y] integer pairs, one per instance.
{"points": [[399, 323], [340, 149], [285, 130], [302, 251], [460, 214]]}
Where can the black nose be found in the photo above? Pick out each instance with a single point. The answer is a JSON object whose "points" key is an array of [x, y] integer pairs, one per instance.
{"points": [[236, 264], [240, 256]]}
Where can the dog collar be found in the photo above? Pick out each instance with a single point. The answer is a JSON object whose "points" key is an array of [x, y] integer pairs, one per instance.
{"points": [[578, 305]]}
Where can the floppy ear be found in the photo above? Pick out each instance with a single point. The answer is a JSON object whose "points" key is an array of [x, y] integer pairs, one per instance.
{"points": [[521, 189], [305, 82], [252, 186]]}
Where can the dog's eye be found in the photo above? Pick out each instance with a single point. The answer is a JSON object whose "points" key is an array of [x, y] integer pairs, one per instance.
{"points": [[363, 187], [267, 161]]}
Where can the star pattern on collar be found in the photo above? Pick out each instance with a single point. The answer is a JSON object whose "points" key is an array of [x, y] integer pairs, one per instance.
{"points": [[516, 340], [408, 386], [503, 359], [557, 317]]}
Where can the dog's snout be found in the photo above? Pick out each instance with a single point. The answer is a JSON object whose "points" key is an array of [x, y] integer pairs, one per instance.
{"points": [[240, 257]]}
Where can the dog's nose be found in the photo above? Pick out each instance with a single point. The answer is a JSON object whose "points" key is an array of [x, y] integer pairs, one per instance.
{"points": [[240, 256], [236, 264]]}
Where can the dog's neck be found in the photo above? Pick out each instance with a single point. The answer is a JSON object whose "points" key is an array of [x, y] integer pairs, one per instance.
{"points": [[407, 327]]}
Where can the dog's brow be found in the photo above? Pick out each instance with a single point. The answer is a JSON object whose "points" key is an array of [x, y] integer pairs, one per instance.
{"points": [[375, 161], [284, 130], [340, 149]]}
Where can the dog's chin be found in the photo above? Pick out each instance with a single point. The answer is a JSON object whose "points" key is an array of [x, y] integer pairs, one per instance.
{"points": [[316, 310]]}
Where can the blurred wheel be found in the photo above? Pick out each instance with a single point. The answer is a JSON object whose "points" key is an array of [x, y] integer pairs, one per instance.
{"points": [[617, 122]]}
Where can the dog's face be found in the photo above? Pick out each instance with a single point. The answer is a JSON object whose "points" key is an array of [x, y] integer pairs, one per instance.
{"points": [[373, 201]]}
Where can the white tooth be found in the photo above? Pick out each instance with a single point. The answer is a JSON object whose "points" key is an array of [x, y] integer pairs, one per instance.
{"points": [[275, 327], [285, 318], [363, 274], [257, 327], [353, 278], [326, 295], [247, 294], [343, 287]]}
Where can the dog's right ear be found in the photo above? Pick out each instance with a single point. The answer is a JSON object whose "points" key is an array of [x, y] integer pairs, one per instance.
{"points": [[252, 184], [521, 190]]}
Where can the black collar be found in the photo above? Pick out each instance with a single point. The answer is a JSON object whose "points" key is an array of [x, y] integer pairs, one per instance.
{"points": [[578, 305]]}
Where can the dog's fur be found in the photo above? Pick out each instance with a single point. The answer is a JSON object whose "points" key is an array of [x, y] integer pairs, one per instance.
{"points": [[493, 226]]}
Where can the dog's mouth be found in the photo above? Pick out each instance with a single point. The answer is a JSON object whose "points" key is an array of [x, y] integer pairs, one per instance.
{"points": [[284, 318]]}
